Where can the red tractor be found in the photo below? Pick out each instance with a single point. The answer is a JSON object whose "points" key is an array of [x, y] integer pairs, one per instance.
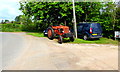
{"points": [[60, 31]]}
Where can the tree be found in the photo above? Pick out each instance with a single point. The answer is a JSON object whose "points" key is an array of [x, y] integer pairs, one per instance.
{"points": [[17, 19], [22, 19], [109, 20], [44, 14], [117, 27], [2, 22], [47, 13], [6, 21]]}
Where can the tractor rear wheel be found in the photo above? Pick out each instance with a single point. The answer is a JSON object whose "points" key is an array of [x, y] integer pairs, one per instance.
{"points": [[72, 38], [60, 40], [50, 33]]}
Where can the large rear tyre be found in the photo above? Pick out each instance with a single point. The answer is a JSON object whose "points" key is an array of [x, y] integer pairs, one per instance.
{"points": [[50, 33], [72, 38], [60, 40]]}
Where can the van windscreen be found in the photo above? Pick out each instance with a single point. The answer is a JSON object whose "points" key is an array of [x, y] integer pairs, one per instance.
{"points": [[95, 25]]}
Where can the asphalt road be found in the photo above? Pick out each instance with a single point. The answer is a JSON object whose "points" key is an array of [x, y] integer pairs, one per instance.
{"points": [[12, 44], [25, 52], [0, 51]]}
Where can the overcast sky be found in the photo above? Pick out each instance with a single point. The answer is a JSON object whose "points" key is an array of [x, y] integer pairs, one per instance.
{"points": [[9, 9]]}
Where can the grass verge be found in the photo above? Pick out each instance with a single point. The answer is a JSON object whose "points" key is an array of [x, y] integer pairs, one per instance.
{"points": [[37, 34], [99, 41], [80, 41]]}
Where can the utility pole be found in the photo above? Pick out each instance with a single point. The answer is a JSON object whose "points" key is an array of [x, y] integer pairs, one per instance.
{"points": [[74, 19]]}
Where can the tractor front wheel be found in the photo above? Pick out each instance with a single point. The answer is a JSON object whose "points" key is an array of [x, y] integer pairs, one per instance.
{"points": [[60, 40]]}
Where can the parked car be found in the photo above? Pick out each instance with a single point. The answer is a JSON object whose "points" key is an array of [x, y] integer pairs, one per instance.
{"points": [[89, 30], [45, 32]]}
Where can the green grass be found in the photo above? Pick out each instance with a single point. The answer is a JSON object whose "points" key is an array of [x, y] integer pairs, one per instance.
{"points": [[100, 41], [80, 41], [37, 34]]}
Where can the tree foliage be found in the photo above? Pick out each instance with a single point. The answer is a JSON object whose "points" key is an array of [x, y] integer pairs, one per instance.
{"points": [[43, 14]]}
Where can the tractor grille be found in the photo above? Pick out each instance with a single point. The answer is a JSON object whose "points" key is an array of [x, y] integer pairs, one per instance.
{"points": [[66, 30]]}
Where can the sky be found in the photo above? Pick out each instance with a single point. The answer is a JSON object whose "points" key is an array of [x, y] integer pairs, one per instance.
{"points": [[9, 9]]}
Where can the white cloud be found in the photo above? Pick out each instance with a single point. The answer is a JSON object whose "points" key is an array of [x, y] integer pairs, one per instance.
{"points": [[9, 9], [14, 0], [9, 0]]}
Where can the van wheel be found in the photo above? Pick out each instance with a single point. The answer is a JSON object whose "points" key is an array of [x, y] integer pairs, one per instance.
{"points": [[85, 37]]}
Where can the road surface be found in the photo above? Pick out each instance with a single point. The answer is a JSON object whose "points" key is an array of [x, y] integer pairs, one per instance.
{"points": [[12, 45], [25, 52]]}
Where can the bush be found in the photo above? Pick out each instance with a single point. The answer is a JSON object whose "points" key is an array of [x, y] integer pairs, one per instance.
{"points": [[17, 27], [108, 34], [10, 27], [29, 28]]}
